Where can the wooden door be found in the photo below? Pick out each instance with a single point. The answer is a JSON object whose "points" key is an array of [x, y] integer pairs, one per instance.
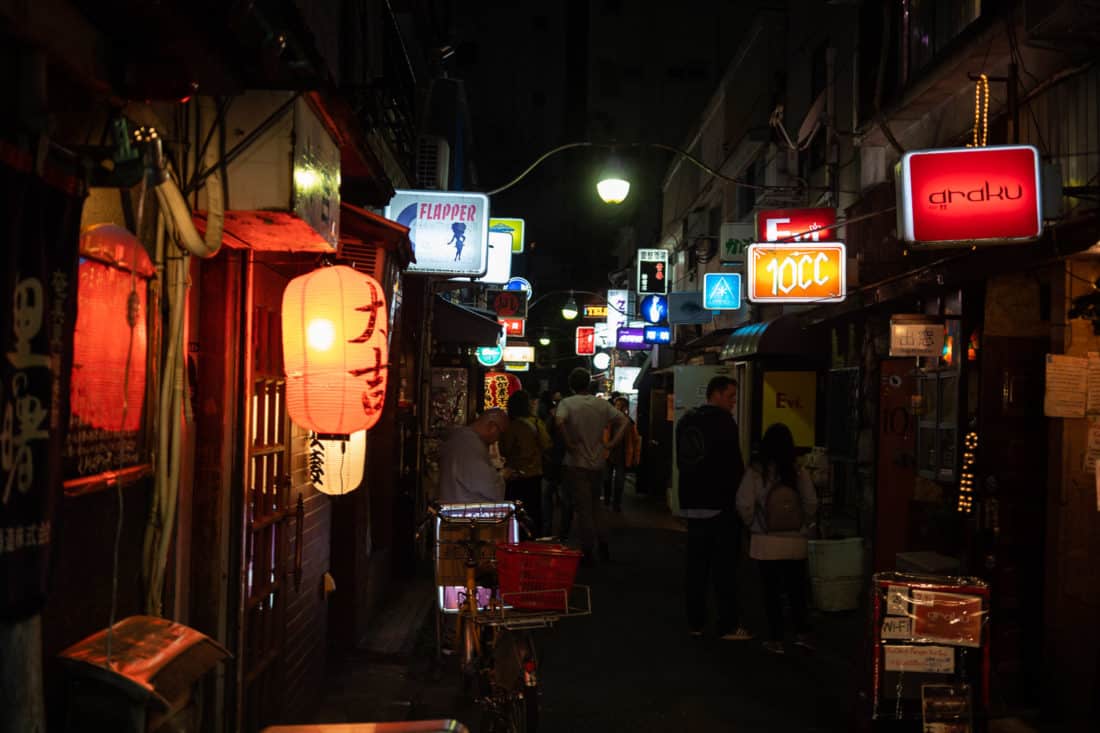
{"points": [[266, 564], [896, 467], [1011, 508]]}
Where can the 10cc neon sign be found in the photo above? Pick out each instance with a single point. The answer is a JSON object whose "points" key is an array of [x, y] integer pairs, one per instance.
{"points": [[796, 273]]}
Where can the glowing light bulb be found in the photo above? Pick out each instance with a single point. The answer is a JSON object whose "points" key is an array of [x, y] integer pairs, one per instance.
{"points": [[320, 334], [613, 190]]}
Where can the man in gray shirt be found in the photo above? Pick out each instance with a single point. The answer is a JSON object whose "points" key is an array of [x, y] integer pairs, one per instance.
{"points": [[582, 418], [466, 473]]}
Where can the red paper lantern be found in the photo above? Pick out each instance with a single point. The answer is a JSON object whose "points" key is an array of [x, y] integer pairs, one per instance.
{"points": [[499, 386], [334, 350], [109, 354]]}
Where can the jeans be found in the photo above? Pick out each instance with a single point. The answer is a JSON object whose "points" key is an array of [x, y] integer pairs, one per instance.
{"points": [[713, 552], [777, 577], [613, 490], [583, 486]]}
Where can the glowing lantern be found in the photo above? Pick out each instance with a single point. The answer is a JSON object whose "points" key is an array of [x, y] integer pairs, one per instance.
{"points": [[336, 461], [498, 388], [335, 350], [110, 340]]}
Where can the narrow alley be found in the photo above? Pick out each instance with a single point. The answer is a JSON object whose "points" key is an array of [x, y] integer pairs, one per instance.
{"points": [[631, 665]]}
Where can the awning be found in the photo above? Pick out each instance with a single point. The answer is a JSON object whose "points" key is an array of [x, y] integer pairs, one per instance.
{"points": [[361, 228], [266, 231], [459, 324], [781, 336]]}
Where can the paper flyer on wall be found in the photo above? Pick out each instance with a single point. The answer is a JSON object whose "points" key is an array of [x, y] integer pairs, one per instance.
{"points": [[1092, 402], [1066, 386]]}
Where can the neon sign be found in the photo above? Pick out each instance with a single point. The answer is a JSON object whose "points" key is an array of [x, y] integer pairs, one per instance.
{"points": [[970, 195], [797, 273]]}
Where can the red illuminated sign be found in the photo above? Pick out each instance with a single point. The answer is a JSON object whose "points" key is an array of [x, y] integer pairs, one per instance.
{"points": [[514, 326], [795, 225], [586, 340], [970, 195]]}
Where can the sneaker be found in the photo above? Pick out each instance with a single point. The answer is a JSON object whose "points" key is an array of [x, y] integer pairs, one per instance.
{"points": [[695, 634], [805, 641], [617, 509], [774, 647], [738, 634]]}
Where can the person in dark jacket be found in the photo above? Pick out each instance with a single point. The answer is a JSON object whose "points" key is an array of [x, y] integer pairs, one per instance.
{"points": [[708, 457]]}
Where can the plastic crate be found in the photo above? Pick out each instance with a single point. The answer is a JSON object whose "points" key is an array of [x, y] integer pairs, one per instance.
{"points": [[536, 575]]}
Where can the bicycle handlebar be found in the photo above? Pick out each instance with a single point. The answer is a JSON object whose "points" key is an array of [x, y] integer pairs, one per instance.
{"points": [[435, 510]]}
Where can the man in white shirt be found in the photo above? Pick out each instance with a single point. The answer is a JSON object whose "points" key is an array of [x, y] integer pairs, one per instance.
{"points": [[582, 418], [466, 472]]}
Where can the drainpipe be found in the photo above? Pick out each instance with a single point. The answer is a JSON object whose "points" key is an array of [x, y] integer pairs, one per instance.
{"points": [[179, 226]]}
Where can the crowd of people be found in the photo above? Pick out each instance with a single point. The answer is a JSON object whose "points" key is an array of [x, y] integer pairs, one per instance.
{"points": [[567, 458]]}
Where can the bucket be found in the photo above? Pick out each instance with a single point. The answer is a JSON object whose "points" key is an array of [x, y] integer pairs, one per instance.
{"points": [[835, 558], [836, 594]]}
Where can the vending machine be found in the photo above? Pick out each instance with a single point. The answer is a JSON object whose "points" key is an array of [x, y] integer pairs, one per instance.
{"points": [[689, 385]]}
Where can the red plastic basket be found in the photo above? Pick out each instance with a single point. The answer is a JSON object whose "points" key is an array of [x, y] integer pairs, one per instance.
{"points": [[536, 575]]}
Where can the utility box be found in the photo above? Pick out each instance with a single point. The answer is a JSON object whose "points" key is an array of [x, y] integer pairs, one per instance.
{"points": [[148, 685], [288, 168]]}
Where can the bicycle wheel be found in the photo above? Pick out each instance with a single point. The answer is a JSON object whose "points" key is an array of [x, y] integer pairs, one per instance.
{"points": [[515, 672], [506, 712]]}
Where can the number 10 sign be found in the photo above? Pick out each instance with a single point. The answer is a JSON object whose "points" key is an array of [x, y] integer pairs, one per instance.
{"points": [[804, 272]]}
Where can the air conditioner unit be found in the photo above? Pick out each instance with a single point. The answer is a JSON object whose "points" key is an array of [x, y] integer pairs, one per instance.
{"points": [[285, 184], [433, 163]]}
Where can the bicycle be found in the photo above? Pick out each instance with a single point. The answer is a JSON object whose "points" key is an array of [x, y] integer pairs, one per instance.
{"points": [[492, 627]]}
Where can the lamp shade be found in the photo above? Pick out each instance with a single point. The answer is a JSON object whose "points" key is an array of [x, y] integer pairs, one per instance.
{"points": [[569, 311], [335, 353], [336, 462], [613, 190]]}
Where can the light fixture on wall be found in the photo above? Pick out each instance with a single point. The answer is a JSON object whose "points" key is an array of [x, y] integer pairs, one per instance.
{"points": [[335, 351]]}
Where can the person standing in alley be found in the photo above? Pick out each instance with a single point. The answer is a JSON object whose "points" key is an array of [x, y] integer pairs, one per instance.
{"points": [[522, 446], [777, 501], [708, 457], [466, 471], [582, 417], [622, 458]]}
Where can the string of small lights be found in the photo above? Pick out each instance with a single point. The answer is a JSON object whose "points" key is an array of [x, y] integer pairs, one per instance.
{"points": [[981, 112]]}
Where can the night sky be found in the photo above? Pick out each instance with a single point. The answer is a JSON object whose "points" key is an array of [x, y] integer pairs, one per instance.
{"points": [[540, 75]]}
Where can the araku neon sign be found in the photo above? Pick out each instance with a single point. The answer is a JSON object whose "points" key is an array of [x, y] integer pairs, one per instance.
{"points": [[963, 196]]}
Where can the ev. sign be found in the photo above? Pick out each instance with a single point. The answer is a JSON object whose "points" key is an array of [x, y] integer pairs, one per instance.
{"points": [[808, 272], [964, 196]]}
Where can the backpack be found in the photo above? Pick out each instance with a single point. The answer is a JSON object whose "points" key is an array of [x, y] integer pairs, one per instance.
{"points": [[691, 442], [782, 509]]}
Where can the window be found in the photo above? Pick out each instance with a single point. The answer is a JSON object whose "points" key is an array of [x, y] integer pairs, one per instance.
{"points": [[938, 414], [931, 25]]}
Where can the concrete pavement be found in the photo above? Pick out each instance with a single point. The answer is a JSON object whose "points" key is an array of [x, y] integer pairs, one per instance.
{"points": [[631, 666]]}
